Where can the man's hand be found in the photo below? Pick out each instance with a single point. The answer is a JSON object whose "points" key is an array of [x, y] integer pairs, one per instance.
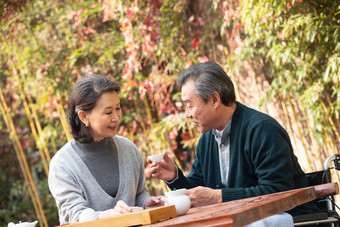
{"points": [[201, 196], [164, 170]]}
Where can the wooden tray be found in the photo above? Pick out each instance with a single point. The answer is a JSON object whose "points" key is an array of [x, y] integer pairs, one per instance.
{"points": [[142, 217]]}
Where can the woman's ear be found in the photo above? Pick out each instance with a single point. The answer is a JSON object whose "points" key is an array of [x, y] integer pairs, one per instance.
{"points": [[83, 117]]}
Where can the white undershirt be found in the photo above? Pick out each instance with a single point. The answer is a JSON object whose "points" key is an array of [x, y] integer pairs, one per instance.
{"points": [[223, 141]]}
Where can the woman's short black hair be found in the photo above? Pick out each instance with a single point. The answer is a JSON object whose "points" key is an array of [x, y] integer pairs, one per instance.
{"points": [[83, 96]]}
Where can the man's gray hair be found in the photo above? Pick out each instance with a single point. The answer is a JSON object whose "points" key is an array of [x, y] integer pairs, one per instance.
{"points": [[209, 77]]}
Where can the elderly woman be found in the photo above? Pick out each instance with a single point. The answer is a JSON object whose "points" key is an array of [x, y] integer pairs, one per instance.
{"points": [[97, 169]]}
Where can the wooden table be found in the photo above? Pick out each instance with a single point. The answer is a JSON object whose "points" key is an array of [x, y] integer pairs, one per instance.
{"points": [[246, 211], [235, 213]]}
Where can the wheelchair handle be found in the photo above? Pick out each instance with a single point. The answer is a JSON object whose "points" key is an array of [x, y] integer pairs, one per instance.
{"points": [[335, 158]]}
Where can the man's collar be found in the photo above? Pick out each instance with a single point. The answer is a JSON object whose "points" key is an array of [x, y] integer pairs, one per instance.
{"points": [[226, 130]]}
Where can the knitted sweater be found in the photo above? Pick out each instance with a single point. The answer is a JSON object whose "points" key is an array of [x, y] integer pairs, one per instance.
{"points": [[261, 160], [74, 187]]}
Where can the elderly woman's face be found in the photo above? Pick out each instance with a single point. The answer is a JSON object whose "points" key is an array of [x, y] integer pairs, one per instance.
{"points": [[104, 117]]}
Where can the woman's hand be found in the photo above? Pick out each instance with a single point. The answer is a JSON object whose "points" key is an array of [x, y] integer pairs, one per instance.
{"points": [[153, 202], [164, 170], [122, 208]]}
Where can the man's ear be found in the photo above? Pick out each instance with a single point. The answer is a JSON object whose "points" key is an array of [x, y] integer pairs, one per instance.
{"points": [[216, 99], [83, 117]]}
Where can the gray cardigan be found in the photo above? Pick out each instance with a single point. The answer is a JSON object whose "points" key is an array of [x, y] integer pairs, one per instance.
{"points": [[74, 187]]}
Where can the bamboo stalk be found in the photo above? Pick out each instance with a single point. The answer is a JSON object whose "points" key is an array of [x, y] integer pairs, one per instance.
{"points": [[237, 90], [39, 129], [335, 174], [64, 123], [18, 148], [22, 161], [150, 148], [63, 120], [328, 146], [29, 186], [175, 159], [329, 149], [148, 111], [258, 89], [31, 122], [330, 120], [285, 110], [332, 108], [314, 143], [299, 132], [46, 157], [139, 114], [34, 132], [28, 112]]}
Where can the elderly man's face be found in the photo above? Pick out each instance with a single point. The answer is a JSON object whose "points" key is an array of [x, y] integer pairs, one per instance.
{"points": [[201, 114]]}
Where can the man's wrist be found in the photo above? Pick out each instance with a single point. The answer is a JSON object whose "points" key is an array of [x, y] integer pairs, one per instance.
{"points": [[218, 195], [173, 180]]}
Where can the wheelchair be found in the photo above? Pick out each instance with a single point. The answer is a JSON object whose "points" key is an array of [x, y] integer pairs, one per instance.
{"points": [[329, 216]]}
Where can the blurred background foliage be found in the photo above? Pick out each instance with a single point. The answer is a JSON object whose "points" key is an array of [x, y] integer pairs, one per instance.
{"points": [[283, 57]]}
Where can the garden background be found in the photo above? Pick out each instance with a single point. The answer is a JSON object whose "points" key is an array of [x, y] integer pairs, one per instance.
{"points": [[282, 55]]}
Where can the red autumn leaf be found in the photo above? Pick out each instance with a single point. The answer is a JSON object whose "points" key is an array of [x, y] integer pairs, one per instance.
{"points": [[196, 43], [238, 26], [203, 59]]}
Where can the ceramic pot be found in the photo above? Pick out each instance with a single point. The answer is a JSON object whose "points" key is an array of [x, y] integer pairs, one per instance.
{"points": [[22, 224], [179, 199]]}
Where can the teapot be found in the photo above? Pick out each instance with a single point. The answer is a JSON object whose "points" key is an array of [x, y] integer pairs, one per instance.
{"points": [[179, 199], [22, 224]]}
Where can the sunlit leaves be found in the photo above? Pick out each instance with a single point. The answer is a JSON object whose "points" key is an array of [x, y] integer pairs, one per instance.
{"points": [[145, 44], [300, 42]]}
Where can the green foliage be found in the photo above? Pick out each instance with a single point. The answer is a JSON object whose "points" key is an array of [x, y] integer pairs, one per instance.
{"points": [[299, 42], [47, 45]]}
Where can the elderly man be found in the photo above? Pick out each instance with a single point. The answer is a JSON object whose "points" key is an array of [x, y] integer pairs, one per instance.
{"points": [[242, 152]]}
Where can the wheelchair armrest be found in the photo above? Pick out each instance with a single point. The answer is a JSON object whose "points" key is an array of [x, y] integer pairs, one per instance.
{"points": [[310, 217]]}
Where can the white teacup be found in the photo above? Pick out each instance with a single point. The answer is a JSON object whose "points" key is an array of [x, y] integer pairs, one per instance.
{"points": [[156, 157]]}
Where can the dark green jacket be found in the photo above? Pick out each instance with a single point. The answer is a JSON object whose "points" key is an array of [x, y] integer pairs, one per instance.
{"points": [[261, 160]]}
